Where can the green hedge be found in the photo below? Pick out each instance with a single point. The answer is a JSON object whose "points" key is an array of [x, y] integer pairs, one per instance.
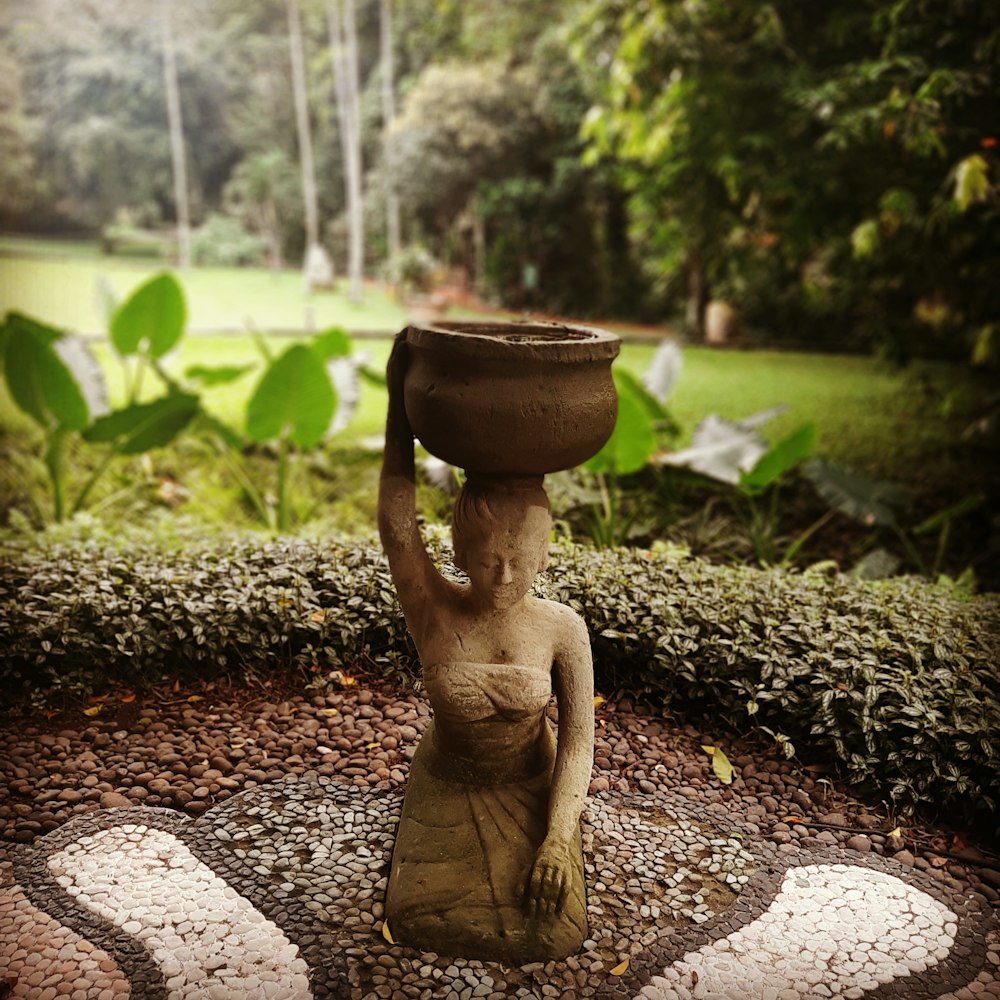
{"points": [[895, 680]]}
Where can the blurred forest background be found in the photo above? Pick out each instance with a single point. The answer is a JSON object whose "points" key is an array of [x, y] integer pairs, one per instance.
{"points": [[757, 175], [833, 178]]}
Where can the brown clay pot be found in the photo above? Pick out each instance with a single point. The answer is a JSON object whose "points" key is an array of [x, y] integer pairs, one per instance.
{"points": [[511, 398]]}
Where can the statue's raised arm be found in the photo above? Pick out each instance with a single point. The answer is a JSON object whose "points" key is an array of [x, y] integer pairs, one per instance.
{"points": [[416, 578]]}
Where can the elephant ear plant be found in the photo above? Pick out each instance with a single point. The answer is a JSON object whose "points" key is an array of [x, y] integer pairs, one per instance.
{"points": [[304, 395], [54, 378]]}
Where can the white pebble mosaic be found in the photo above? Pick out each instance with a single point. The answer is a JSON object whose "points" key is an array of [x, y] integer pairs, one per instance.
{"points": [[208, 942], [831, 931]]}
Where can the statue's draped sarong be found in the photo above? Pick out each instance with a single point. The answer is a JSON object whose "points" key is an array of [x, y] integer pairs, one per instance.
{"points": [[474, 816]]}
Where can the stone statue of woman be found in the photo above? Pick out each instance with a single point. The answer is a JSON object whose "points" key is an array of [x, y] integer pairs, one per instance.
{"points": [[488, 862]]}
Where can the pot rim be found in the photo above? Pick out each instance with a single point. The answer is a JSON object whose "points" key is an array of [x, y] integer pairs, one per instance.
{"points": [[531, 340]]}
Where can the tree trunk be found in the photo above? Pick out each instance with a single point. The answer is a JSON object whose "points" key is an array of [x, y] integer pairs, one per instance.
{"points": [[388, 115], [317, 269], [344, 56], [176, 125], [698, 294]]}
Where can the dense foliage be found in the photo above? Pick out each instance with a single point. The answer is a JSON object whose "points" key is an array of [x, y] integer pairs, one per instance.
{"points": [[831, 174], [896, 681], [834, 178]]}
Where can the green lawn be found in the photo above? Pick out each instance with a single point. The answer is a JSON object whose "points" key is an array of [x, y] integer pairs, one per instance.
{"points": [[66, 293], [868, 415]]}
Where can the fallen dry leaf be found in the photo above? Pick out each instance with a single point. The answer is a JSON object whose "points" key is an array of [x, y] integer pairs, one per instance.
{"points": [[93, 711], [599, 700], [720, 765], [385, 932], [330, 711], [620, 969], [128, 698]]}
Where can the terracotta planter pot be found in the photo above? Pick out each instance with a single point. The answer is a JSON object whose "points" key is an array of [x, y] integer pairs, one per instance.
{"points": [[511, 398]]}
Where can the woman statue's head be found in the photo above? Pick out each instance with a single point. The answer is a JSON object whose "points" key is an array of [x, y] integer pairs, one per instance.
{"points": [[500, 531]]}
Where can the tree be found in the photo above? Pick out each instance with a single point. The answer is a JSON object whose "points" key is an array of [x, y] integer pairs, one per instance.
{"points": [[17, 165], [317, 265], [344, 60], [263, 192], [388, 116], [176, 125], [756, 139], [93, 80]]}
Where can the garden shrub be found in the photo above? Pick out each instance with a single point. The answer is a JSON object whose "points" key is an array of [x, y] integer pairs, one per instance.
{"points": [[896, 680], [223, 242]]}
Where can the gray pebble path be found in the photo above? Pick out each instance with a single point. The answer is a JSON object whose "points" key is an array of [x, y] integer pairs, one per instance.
{"points": [[156, 880]]}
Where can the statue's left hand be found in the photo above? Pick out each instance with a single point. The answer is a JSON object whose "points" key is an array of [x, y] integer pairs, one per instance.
{"points": [[550, 877]]}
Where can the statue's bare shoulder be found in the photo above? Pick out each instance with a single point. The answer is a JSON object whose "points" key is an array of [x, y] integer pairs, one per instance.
{"points": [[566, 628]]}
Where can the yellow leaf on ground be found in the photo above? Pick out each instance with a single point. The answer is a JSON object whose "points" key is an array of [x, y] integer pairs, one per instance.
{"points": [[93, 711], [371, 746], [723, 769], [330, 711], [145, 720], [895, 833], [196, 697], [620, 969], [348, 681], [385, 932], [720, 765], [599, 700]]}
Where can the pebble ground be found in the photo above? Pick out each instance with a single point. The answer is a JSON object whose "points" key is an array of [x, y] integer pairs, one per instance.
{"points": [[218, 846]]}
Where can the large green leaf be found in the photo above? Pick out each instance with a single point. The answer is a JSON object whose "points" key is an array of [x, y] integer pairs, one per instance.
{"points": [[869, 501], [143, 426], [295, 398], [332, 343], [40, 382], [634, 437], [779, 459], [152, 318]]}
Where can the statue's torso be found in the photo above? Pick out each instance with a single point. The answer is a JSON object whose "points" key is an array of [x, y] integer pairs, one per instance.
{"points": [[489, 717]]}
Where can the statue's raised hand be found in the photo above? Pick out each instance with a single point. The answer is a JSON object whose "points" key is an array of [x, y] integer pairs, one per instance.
{"points": [[550, 877], [395, 369]]}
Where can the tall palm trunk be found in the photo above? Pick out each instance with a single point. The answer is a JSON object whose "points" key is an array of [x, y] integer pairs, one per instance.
{"points": [[317, 269], [388, 115], [176, 125], [344, 56]]}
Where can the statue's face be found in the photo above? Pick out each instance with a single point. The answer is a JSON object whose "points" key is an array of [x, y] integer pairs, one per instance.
{"points": [[502, 563]]}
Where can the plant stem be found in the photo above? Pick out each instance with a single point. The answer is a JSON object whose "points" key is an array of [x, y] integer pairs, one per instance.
{"points": [[942, 546], [137, 380], [256, 497], [283, 457], [792, 551], [912, 552], [54, 454], [94, 476]]}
